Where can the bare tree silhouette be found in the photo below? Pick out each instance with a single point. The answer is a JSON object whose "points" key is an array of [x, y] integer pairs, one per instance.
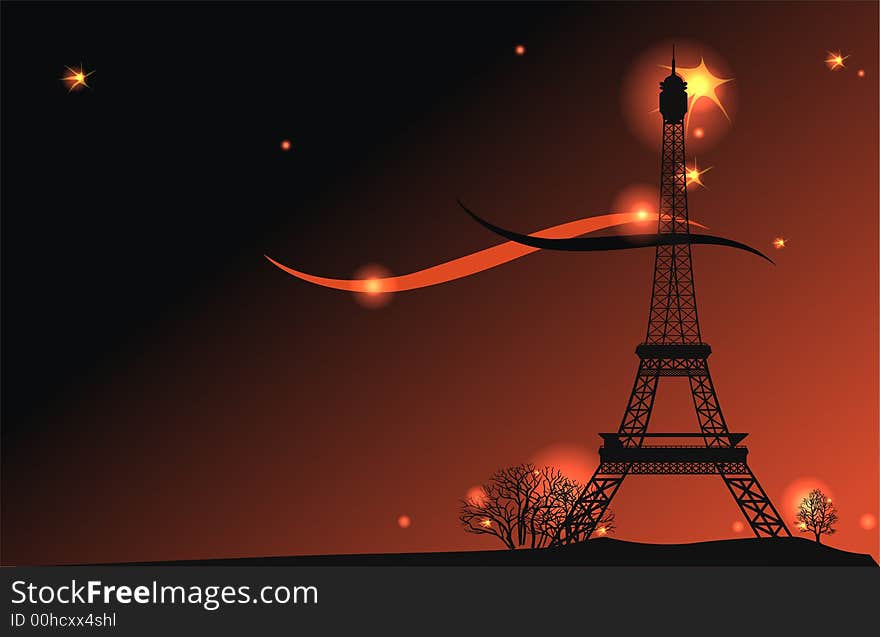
{"points": [[817, 515], [524, 506]]}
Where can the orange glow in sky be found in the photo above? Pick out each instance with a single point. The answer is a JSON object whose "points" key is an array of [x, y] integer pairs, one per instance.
{"points": [[796, 491], [738, 527], [285, 144], [699, 133], [373, 292], [575, 461], [520, 49], [640, 198], [374, 286], [779, 243], [476, 495], [404, 521]]}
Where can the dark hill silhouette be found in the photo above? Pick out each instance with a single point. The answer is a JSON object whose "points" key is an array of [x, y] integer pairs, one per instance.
{"points": [[597, 552]]}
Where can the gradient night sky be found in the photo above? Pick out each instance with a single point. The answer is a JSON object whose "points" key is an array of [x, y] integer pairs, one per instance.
{"points": [[169, 394]]}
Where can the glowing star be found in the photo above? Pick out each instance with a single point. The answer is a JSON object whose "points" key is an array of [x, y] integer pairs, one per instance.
{"points": [[520, 49], [861, 73], [285, 144], [486, 523], [699, 133], [802, 526], [693, 174], [601, 530], [835, 60], [779, 243], [77, 78], [701, 84]]}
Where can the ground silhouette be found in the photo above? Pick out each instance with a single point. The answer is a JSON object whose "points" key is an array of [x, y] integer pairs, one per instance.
{"points": [[598, 552]]}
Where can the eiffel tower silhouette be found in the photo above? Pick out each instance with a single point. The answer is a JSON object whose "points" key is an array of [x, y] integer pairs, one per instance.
{"points": [[673, 347]]}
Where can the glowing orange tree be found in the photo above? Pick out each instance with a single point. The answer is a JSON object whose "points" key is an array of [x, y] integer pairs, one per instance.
{"points": [[817, 515], [524, 506]]}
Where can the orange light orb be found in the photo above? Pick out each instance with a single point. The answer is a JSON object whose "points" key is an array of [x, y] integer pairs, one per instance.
{"points": [[738, 527], [475, 495], [861, 73], [376, 295], [404, 521], [601, 530], [487, 523], [520, 49], [779, 243], [574, 461], [285, 144], [867, 521], [699, 133], [374, 286], [797, 490], [641, 199]]}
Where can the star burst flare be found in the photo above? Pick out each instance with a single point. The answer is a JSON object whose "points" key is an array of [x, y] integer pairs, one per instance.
{"points": [[76, 80], [694, 174], [835, 60]]}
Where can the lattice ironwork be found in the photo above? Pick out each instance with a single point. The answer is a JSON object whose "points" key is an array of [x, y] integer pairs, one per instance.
{"points": [[672, 468], [756, 505], [673, 315], [673, 347], [672, 366]]}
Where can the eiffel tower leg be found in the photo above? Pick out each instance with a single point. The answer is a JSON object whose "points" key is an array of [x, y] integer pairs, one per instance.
{"points": [[590, 507], [755, 505], [745, 488]]}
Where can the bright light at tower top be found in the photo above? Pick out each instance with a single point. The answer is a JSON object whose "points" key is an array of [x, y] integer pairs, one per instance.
{"points": [[710, 93], [702, 83]]}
